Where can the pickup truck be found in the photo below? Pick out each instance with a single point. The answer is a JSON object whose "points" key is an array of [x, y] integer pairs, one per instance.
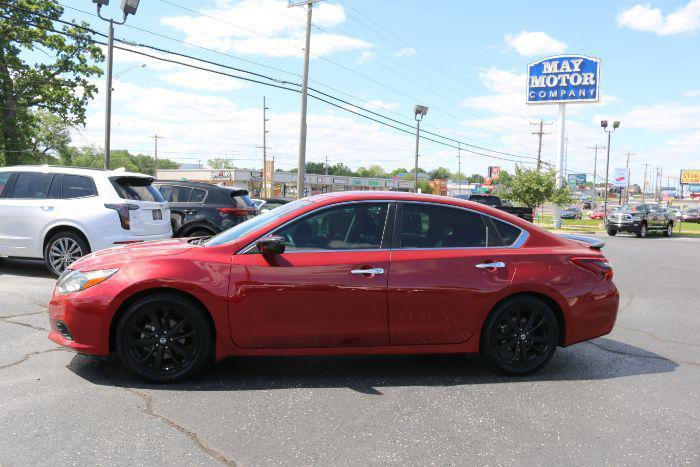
{"points": [[640, 219], [494, 201]]}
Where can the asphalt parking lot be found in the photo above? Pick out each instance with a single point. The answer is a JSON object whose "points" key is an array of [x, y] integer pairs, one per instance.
{"points": [[632, 397]]}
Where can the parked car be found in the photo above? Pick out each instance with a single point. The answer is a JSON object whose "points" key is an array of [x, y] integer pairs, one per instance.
{"points": [[341, 273], [267, 204], [640, 219], [587, 204], [691, 215], [598, 213], [202, 210], [675, 213], [494, 201], [571, 212], [61, 213]]}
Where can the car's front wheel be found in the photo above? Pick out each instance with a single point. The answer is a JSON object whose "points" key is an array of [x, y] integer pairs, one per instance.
{"points": [[520, 336], [612, 233], [62, 250], [642, 232], [164, 338], [669, 230]]}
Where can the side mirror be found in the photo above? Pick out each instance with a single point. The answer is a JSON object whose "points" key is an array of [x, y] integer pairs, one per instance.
{"points": [[272, 245]]}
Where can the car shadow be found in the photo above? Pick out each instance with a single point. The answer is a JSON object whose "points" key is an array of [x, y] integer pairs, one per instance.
{"points": [[24, 267], [596, 360]]}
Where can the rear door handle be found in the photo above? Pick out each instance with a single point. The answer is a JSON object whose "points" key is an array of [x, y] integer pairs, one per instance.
{"points": [[492, 265], [374, 271]]}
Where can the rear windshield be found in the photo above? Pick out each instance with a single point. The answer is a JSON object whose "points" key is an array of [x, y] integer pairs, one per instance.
{"points": [[488, 200], [136, 188]]}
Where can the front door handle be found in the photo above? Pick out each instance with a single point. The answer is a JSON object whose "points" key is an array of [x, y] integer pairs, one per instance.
{"points": [[492, 265], [47, 208], [373, 271]]}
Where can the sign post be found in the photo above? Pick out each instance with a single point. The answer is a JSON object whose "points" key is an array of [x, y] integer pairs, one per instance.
{"points": [[562, 79]]}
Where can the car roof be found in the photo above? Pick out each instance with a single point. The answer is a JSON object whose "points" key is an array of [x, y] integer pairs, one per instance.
{"points": [[74, 170], [192, 184]]}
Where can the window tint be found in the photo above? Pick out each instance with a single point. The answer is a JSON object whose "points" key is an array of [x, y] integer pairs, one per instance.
{"points": [[55, 188], [175, 194], [32, 185], [78, 186], [4, 178], [500, 233], [430, 226], [347, 227], [136, 188], [198, 195]]}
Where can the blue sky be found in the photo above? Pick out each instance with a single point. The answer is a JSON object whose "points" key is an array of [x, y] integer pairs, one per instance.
{"points": [[465, 60]]}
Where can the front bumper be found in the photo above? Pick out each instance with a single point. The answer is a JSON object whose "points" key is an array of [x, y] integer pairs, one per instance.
{"points": [[633, 226], [86, 319]]}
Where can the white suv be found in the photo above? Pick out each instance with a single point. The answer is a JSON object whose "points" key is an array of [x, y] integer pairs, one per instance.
{"points": [[62, 213]]}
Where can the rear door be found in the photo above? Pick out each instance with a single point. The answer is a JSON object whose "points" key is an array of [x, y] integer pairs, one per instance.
{"points": [[26, 209], [149, 214], [448, 267]]}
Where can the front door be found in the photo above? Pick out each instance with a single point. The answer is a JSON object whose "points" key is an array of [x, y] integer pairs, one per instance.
{"points": [[328, 289], [448, 265]]}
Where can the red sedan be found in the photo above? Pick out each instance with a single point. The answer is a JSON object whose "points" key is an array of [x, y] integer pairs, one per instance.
{"points": [[343, 273]]}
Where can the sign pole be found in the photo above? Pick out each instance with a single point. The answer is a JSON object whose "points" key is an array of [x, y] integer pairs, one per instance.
{"points": [[560, 160]]}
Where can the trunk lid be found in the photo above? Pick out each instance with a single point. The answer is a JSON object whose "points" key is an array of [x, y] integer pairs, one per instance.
{"points": [[148, 212]]}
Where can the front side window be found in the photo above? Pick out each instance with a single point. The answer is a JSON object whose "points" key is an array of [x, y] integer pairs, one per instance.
{"points": [[78, 186], [347, 227], [32, 185]]}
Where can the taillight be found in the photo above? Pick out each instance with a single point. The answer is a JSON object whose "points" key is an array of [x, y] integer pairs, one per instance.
{"points": [[123, 212], [235, 211], [598, 266]]}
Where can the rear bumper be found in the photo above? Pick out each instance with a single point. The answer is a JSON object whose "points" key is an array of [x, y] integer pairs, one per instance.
{"points": [[593, 315]]}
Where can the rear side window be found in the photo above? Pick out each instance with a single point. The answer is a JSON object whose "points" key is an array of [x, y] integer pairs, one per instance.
{"points": [[500, 233], [31, 185], [430, 226], [175, 194], [4, 178], [243, 201], [198, 195], [136, 188], [78, 186]]}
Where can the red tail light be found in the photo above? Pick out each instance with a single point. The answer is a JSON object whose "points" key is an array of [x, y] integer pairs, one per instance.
{"points": [[598, 266], [123, 212], [236, 211]]}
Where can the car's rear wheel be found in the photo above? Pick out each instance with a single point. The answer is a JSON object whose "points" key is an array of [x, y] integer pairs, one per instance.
{"points": [[62, 250], [520, 336], [669, 230], [164, 338], [642, 232], [612, 233]]}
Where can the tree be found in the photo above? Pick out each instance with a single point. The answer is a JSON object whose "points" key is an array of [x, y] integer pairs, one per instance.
{"points": [[59, 83], [533, 188], [440, 172], [219, 163], [397, 172], [48, 137], [459, 176], [372, 171], [475, 178], [425, 187], [94, 158]]}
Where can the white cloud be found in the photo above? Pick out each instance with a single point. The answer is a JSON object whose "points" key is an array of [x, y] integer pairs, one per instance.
{"points": [[661, 117], [265, 27], [534, 43], [692, 93], [503, 81], [642, 17], [365, 57], [405, 52], [377, 104]]}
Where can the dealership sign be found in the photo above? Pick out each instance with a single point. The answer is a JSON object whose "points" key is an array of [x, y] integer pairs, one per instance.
{"points": [[690, 176], [621, 177], [575, 180], [563, 78], [694, 188]]}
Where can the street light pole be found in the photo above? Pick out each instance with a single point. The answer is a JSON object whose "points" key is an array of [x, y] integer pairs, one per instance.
{"points": [[627, 196], [604, 125], [459, 167], [419, 111]]}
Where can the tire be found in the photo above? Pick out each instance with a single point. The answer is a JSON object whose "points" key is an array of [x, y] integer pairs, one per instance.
{"points": [[612, 233], [199, 232], [62, 250], [520, 336], [642, 232], [143, 344], [669, 230]]}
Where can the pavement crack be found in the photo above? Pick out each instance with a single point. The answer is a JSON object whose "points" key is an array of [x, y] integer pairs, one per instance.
{"points": [[30, 355], [26, 325], [658, 338], [23, 314], [635, 355], [29, 299]]}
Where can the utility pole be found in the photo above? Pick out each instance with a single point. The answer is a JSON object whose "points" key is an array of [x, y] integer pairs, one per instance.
{"points": [[301, 173], [627, 197], [595, 166], [644, 185], [540, 133], [459, 166], [264, 148], [326, 164], [155, 154]]}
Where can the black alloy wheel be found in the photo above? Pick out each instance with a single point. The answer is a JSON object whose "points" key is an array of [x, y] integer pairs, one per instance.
{"points": [[164, 338], [520, 336], [62, 250]]}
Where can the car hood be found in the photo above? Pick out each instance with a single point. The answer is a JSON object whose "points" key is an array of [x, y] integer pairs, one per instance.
{"points": [[133, 252]]}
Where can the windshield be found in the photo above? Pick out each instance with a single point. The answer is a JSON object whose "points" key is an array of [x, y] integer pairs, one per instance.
{"points": [[256, 222], [634, 207]]}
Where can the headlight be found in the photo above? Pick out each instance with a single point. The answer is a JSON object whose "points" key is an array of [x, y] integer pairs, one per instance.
{"points": [[77, 280]]}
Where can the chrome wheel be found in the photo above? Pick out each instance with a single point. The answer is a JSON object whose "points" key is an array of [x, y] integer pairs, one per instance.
{"points": [[63, 252]]}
